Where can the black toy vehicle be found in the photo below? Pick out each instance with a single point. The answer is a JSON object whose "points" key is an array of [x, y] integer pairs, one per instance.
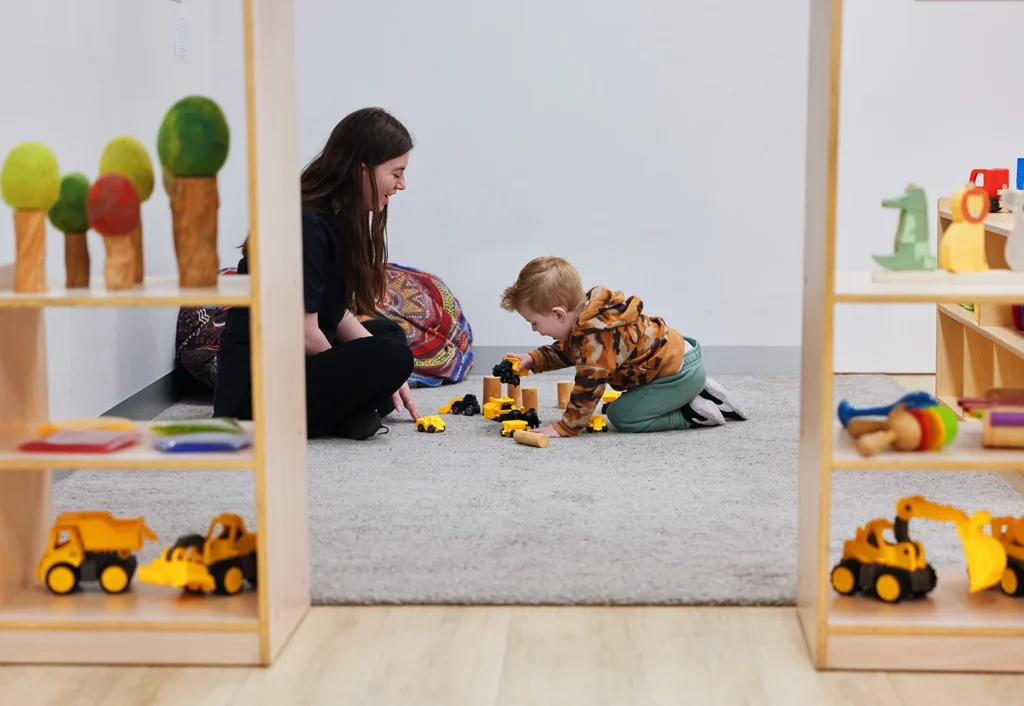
{"points": [[467, 406], [506, 373], [529, 416]]}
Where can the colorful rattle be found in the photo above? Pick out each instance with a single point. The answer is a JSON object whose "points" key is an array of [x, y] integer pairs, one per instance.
{"points": [[906, 429]]}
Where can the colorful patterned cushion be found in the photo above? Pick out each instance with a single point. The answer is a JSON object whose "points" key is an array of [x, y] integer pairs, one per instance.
{"points": [[198, 338], [438, 332]]}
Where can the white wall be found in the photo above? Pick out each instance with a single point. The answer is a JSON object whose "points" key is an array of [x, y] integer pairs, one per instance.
{"points": [[927, 95], [92, 70], [642, 142], [659, 146]]}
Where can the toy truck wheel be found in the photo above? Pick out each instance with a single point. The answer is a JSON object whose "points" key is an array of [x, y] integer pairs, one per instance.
{"points": [[227, 576], [844, 577], [114, 579], [889, 587], [1012, 583], [419, 427], [62, 579], [431, 429]]}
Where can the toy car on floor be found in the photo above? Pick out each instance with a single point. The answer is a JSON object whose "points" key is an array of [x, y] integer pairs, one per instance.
{"points": [[597, 423], [430, 424], [467, 405], [529, 416], [608, 397], [496, 406]]}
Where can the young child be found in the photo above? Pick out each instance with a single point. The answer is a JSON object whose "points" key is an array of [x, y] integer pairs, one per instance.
{"points": [[610, 341]]}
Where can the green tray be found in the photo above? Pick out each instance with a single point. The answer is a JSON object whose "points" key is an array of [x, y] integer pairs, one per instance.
{"points": [[227, 425]]}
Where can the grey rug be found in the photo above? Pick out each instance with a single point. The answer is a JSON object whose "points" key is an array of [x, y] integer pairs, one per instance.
{"points": [[696, 517]]}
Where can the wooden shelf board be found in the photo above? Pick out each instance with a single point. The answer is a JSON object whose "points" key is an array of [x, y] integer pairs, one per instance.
{"points": [[140, 456], [999, 223], [143, 607], [932, 287], [965, 453], [231, 290], [1005, 336], [136, 647], [931, 653], [948, 610]]}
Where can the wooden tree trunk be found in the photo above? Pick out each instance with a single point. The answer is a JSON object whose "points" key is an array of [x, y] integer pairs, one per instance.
{"points": [[76, 260], [30, 251], [194, 206]]}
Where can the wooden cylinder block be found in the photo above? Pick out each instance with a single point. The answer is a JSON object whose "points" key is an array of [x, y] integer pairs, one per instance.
{"points": [[119, 269], [531, 438], [76, 261], [194, 206], [1003, 429], [564, 390], [530, 398], [516, 393], [29, 251], [492, 389]]}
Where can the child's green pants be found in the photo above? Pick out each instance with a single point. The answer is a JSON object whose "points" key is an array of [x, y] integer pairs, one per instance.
{"points": [[656, 405]]}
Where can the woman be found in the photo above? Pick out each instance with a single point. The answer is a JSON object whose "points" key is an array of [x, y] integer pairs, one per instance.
{"points": [[356, 373]]}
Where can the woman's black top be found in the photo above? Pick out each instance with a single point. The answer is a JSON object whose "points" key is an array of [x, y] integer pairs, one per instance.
{"points": [[323, 281]]}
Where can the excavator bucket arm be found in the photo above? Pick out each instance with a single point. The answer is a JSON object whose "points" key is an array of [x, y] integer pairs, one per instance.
{"points": [[985, 555]]}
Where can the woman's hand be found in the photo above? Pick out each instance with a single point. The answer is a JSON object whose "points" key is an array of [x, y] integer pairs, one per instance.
{"points": [[404, 397], [548, 431], [525, 360]]}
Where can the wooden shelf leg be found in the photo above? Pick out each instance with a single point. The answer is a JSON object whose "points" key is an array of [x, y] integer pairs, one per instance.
{"points": [[26, 504]]}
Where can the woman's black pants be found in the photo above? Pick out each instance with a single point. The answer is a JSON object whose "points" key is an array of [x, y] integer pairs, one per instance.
{"points": [[349, 379]]}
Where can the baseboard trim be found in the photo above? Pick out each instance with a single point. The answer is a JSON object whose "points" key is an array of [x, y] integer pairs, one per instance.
{"points": [[718, 360], [148, 402]]}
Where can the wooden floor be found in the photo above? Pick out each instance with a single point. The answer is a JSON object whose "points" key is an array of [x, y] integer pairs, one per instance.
{"points": [[484, 656], [520, 656]]}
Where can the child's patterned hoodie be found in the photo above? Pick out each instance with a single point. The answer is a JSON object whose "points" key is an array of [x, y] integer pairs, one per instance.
{"points": [[613, 343]]}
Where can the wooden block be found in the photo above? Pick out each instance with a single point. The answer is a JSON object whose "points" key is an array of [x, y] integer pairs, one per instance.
{"points": [[516, 393], [530, 398], [564, 390], [531, 438], [492, 389], [194, 205]]}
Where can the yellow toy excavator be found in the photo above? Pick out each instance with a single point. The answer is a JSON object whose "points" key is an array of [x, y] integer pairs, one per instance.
{"points": [[896, 571], [1009, 531]]}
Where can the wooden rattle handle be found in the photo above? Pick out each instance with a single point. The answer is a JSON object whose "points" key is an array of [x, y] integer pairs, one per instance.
{"points": [[531, 438], [859, 427], [872, 443]]}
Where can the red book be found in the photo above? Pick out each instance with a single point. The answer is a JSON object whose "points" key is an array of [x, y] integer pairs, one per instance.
{"points": [[84, 441]]}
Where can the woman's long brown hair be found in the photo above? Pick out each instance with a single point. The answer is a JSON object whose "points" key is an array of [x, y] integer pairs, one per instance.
{"points": [[332, 183]]}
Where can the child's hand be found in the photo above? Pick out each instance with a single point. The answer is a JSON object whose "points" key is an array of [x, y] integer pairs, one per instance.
{"points": [[525, 361], [548, 431]]}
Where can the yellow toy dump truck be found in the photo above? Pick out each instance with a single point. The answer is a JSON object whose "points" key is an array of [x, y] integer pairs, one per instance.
{"points": [[892, 572], [92, 546], [221, 562]]}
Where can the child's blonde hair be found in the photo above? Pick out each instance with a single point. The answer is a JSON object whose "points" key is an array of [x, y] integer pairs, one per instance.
{"points": [[545, 282]]}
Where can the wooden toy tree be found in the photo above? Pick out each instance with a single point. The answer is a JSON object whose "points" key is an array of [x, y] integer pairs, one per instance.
{"points": [[70, 217], [30, 184], [128, 156], [113, 208], [193, 145]]}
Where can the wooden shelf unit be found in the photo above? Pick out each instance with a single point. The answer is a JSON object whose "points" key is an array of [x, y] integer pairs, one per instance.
{"points": [[951, 629], [979, 349], [149, 624]]}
